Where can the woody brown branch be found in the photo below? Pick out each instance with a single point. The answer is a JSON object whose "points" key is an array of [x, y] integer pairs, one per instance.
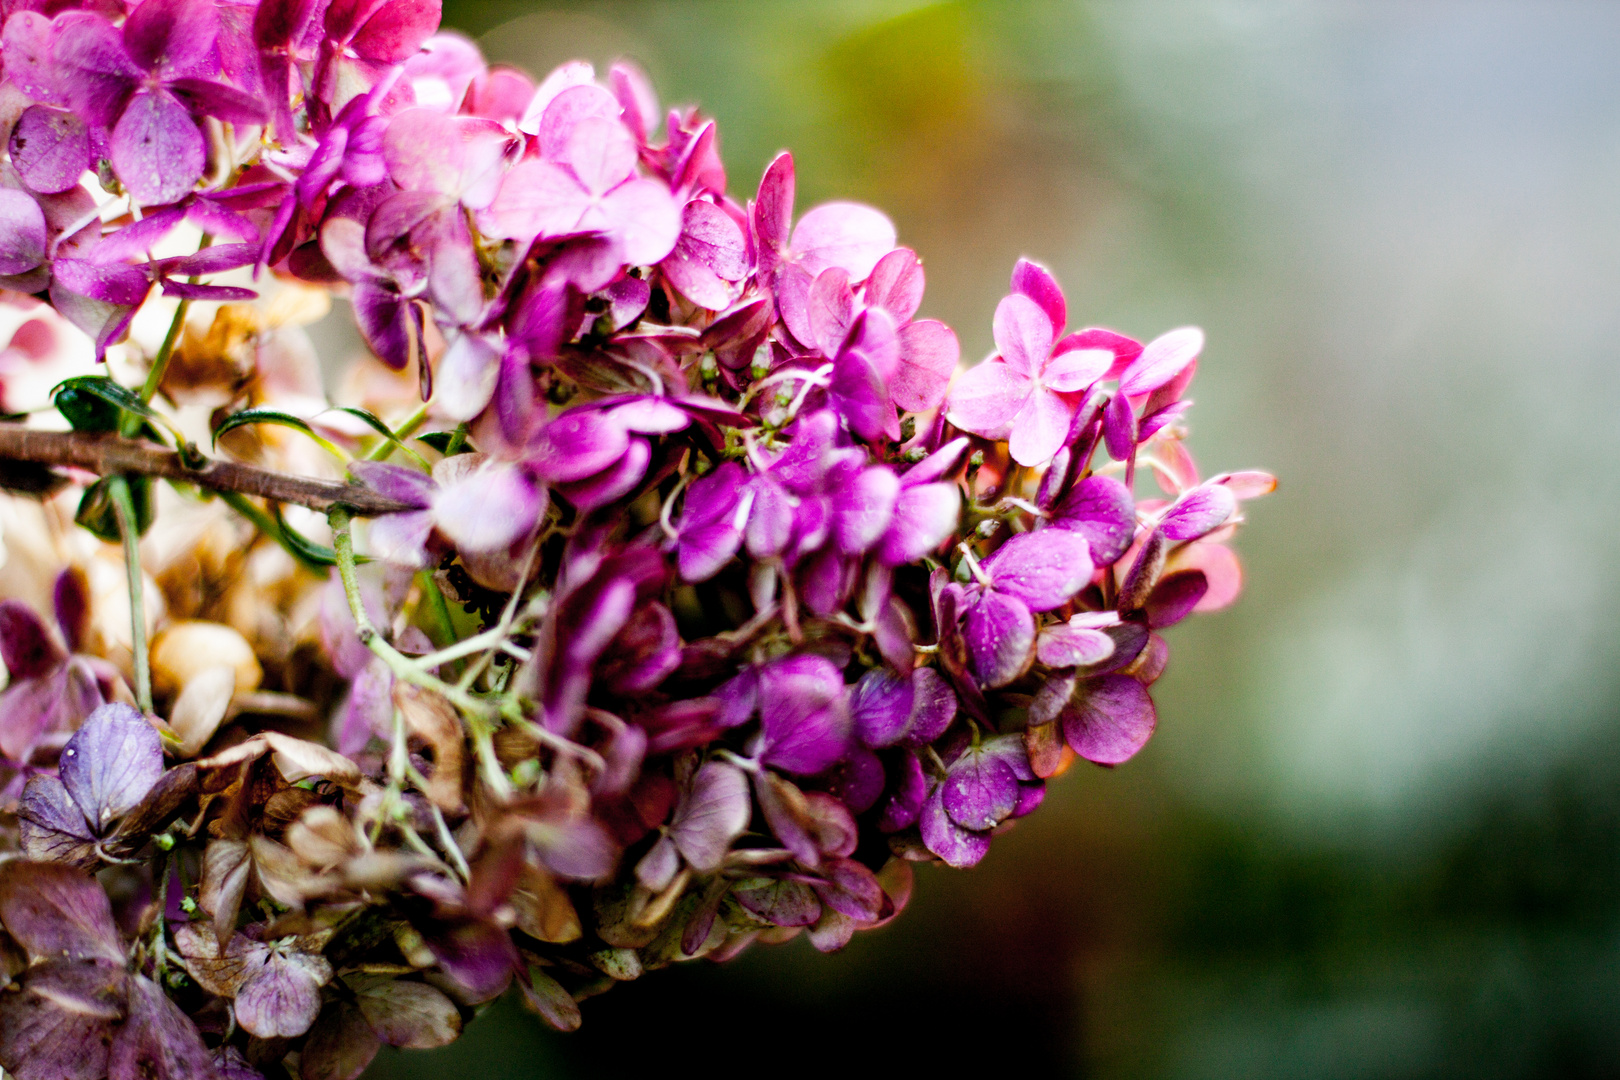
{"points": [[106, 454]]}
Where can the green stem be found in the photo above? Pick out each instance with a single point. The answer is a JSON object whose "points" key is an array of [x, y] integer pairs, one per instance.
{"points": [[268, 525], [124, 509], [479, 715], [412, 422]]}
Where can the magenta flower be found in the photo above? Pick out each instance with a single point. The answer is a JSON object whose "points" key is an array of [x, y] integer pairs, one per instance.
{"points": [[1031, 573], [1029, 391]]}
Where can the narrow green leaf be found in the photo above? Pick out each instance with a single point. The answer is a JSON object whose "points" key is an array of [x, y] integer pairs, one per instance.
{"points": [[376, 423], [282, 419], [97, 403], [96, 512]]}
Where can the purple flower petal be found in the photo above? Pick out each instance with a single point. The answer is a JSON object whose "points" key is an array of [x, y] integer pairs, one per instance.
{"points": [[1101, 509], [804, 721], [91, 67], [26, 49], [1042, 569], [858, 780], [478, 955], [610, 484], [56, 911], [959, 847], [410, 486], [1119, 428], [487, 508], [1109, 719], [26, 645], [1175, 597], [111, 762], [23, 235], [925, 516], [897, 284], [1023, 334], [171, 37], [712, 520], [711, 816], [51, 150], [979, 791], [864, 508], [933, 707], [1000, 635], [773, 210], [709, 256], [157, 151], [52, 826], [1073, 644], [1199, 511], [577, 444], [905, 801], [880, 706]]}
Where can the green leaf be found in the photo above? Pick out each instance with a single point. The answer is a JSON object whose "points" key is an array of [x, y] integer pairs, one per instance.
{"points": [[445, 443], [282, 419], [302, 547], [96, 403], [376, 423], [96, 511]]}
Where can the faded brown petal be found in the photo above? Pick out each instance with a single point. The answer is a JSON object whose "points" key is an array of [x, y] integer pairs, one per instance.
{"points": [[224, 879], [322, 837], [544, 910], [406, 1013], [431, 718], [340, 1045], [201, 706]]}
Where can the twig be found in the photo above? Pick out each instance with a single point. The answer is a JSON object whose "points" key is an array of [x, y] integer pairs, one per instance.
{"points": [[106, 454]]}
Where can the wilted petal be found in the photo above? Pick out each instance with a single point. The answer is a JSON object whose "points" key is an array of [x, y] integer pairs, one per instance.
{"points": [[406, 1014], [59, 1025], [281, 999], [111, 762], [850, 889], [712, 815], [1042, 569], [1109, 719], [340, 1045], [959, 847], [780, 902], [200, 707], [1000, 635], [478, 955], [52, 826], [158, 1040]]}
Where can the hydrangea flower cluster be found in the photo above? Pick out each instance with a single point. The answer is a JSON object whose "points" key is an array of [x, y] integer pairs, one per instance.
{"points": [[700, 597]]}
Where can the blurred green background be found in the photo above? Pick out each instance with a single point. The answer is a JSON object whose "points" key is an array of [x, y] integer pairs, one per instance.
{"points": [[1378, 832]]}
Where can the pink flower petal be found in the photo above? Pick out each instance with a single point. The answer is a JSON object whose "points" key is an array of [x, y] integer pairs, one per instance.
{"points": [[897, 284], [1035, 281], [845, 234], [1165, 357], [1023, 334], [987, 397]]}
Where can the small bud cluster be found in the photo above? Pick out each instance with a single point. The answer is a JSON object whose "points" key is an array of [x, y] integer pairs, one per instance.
{"points": [[702, 596]]}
